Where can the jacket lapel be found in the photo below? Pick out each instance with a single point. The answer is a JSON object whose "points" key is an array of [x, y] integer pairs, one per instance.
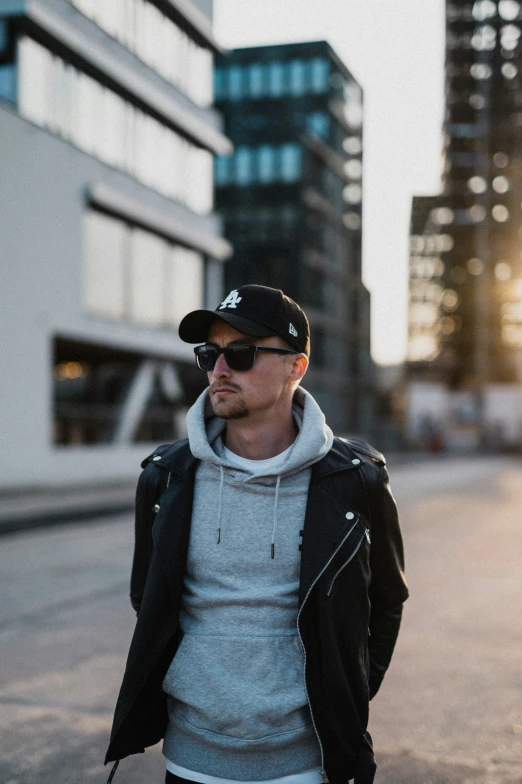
{"points": [[326, 524], [171, 530]]}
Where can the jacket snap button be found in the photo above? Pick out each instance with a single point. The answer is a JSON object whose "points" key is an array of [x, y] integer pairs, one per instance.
{"points": [[355, 462], [349, 515], [156, 507], [157, 457]]}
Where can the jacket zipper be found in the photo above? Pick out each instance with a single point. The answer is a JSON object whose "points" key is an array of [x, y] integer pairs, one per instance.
{"points": [[352, 556], [323, 771]]}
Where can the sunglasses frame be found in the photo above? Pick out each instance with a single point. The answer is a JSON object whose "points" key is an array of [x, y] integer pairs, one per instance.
{"points": [[223, 351]]}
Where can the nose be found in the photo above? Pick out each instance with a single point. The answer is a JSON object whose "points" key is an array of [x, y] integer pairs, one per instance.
{"points": [[221, 369]]}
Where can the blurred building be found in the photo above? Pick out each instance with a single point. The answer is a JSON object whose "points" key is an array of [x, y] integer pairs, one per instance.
{"points": [[291, 201], [108, 238], [465, 321]]}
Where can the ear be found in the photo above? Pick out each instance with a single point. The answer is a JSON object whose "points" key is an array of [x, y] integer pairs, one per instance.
{"points": [[299, 368]]}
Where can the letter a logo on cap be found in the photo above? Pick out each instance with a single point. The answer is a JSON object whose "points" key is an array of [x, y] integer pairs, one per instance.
{"points": [[231, 301]]}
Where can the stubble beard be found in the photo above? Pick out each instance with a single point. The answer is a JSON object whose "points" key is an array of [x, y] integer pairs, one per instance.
{"points": [[229, 408]]}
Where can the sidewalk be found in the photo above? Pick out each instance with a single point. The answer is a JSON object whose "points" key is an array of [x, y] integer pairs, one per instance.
{"points": [[26, 508]]}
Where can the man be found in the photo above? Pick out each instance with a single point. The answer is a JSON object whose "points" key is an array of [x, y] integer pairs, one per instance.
{"points": [[268, 571]]}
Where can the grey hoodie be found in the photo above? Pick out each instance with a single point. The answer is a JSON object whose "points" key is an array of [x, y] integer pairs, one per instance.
{"points": [[236, 694]]}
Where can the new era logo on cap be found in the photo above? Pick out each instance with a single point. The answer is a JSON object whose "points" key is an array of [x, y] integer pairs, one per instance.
{"points": [[292, 330]]}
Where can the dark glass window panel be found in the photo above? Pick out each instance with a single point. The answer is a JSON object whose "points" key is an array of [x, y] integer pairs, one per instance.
{"points": [[8, 83], [235, 83], [266, 162], [244, 167], [319, 75], [318, 124], [290, 162], [222, 170], [220, 80], [256, 87], [297, 77], [276, 79]]}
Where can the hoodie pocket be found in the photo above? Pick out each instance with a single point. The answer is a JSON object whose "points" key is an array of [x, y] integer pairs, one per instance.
{"points": [[245, 688]]}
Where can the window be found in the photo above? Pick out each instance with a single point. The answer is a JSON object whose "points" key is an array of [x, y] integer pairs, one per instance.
{"points": [[158, 41], [266, 163], [90, 392], [263, 164], [509, 9], [35, 64], [243, 166], [297, 77], [55, 95], [235, 83], [353, 110], [255, 80], [222, 169], [199, 185], [147, 259], [105, 252], [352, 145], [318, 124], [220, 75], [276, 79], [184, 283], [290, 162], [4, 38], [319, 74], [463, 130], [131, 273], [8, 83]]}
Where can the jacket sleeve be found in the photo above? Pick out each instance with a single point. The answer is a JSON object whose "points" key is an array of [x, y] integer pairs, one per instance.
{"points": [[388, 587], [147, 492]]}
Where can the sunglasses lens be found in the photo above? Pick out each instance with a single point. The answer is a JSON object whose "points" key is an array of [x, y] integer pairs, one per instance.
{"points": [[206, 357], [240, 357]]}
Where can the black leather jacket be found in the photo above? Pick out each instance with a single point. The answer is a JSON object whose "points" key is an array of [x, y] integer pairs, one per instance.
{"points": [[351, 592]]}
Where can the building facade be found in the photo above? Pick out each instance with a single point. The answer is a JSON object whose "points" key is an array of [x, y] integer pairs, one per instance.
{"points": [[291, 201], [107, 229], [465, 325]]}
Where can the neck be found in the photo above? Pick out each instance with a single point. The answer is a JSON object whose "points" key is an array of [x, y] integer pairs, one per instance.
{"points": [[260, 440]]}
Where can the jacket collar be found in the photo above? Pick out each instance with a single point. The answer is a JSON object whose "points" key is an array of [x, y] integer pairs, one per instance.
{"points": [[178, 459], [341, 457]]}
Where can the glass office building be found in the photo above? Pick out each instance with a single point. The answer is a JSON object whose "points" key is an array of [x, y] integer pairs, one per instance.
{"points": [[291, 201], [465, 325], [108, 231]]}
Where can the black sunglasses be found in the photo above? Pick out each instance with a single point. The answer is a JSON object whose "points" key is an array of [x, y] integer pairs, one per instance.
{"points": [[238, 356]]}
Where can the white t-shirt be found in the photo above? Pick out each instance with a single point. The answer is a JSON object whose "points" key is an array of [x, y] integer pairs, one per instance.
{"points": [[258, 466], [308, 777]]}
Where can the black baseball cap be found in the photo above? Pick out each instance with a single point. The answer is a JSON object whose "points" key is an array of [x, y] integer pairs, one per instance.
{"points": [[258, 311]]}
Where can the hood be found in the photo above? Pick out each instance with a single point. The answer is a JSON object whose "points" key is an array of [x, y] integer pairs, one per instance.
{"points": [[313, 441]]}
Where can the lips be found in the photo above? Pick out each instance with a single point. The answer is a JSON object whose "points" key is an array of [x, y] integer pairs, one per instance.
{"points": [[223, 391]]}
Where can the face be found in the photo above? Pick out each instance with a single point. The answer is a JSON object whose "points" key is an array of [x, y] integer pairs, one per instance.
{"points": [[255, 392]]}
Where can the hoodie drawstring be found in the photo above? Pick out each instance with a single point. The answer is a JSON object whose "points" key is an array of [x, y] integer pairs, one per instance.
{"points": [[221, 480], [113, 771], [276, 498]]}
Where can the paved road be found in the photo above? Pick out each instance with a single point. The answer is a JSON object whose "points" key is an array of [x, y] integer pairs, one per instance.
{"points": [[449, 712]]}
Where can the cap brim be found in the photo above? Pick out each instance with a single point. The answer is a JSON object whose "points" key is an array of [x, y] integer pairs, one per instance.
{"points": [[195, 326]]}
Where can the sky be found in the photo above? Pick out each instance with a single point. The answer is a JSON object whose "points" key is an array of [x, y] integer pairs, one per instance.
{"points": [[395, 50]]}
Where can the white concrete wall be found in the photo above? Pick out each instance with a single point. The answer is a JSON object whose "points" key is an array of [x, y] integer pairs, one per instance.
{"points": [[42, 203]]}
